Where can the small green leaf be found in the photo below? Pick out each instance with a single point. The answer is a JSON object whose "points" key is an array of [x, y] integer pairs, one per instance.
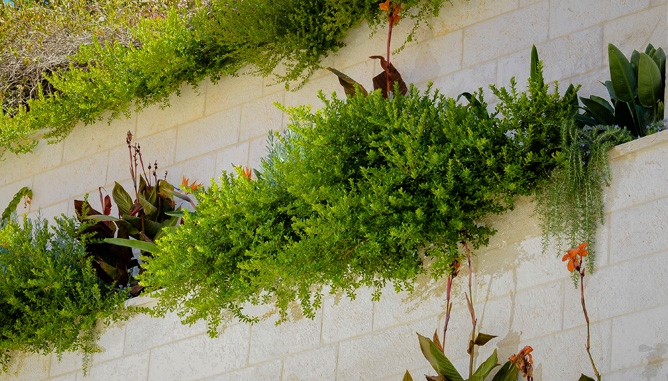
{"points": [[585, 378], [536, 76], [122, 199], [437, 359], [135, 244], [649, 81], [149, 208], [621, 74], [102, 217], [508, 372], [483, 338], [349, 85], [407, 377], [485, 368]]}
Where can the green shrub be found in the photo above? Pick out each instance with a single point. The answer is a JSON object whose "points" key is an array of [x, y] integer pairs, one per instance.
{"points": [[363, 192], [217, 40], [50, 298]]}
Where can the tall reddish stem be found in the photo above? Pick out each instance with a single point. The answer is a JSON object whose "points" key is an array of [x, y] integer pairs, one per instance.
{"points": [[389, 41], [448, 308], [584, 309], [471, 310]]}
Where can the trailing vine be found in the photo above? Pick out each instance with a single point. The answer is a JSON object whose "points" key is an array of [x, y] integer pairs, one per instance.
{"points": [[156, 55]]}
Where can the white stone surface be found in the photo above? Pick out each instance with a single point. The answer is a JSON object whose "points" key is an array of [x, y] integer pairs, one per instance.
{"points": [[523, 295]]}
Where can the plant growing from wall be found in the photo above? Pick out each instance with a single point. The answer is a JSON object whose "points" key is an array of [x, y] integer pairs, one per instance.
{"points": [[360, 193], [577, 267], [157, 55], [50, 299], [636, 90], [434, 351], [570, 206], [142, 219], [24, 193]]}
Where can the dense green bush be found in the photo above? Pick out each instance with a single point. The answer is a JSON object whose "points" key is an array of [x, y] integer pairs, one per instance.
{"points": [[161, 53], [364, 191], [50, 298]]}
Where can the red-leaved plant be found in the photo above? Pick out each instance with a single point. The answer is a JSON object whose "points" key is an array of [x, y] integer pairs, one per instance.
{"points": [[389, 79]]}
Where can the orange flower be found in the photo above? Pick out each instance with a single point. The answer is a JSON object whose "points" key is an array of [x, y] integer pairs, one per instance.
{"points": [[247, 173], [524, 361], [186, 186], [392, 9], [574, 256]]}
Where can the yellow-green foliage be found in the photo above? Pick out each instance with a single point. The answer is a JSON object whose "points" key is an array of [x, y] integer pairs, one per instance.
{"points": [[359, 193], [147, 59], [50, 298]]}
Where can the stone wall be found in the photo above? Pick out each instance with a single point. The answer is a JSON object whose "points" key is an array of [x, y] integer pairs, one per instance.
{"points": [[523, 296]]}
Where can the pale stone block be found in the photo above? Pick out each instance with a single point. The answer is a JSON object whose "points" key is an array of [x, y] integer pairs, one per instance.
{"points": [[144, 332], [531, 318], [658, 2], [590, 82], [42, 158], [315, 364], [427, 299], [459, 14], [514, 225], [524, 3], [119, 163], [232, 91], [468, 80], [66, 377], [111, 345], [505, 34], [159, 147], [201, 355], [657, 371], [430, 59], [268, 371], [635, 31], [562, 356], [229, 158], [261, 116], [208, 134], [383, 353], [328, 83], [618, 290], [635, 344], [49, 212], [638, 177], [89, 140], [495, 273], [184, 108], [639, 230], [344, 318], [67, 181], [257, 151], [562, 58], [7, 193], [27, 367], [270, 341], [127, 368], [567, 16], [536, 267], [201, 169]]}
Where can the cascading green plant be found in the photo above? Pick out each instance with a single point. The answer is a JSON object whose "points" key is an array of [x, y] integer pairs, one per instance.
{"points": [[359, 193], [50, 298]]}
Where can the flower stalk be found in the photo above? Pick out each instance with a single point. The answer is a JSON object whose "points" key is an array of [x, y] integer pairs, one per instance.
{"points": [[574, 258]]}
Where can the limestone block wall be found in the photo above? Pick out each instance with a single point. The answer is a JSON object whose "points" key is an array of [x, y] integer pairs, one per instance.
{"points": [[522, 295]]}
